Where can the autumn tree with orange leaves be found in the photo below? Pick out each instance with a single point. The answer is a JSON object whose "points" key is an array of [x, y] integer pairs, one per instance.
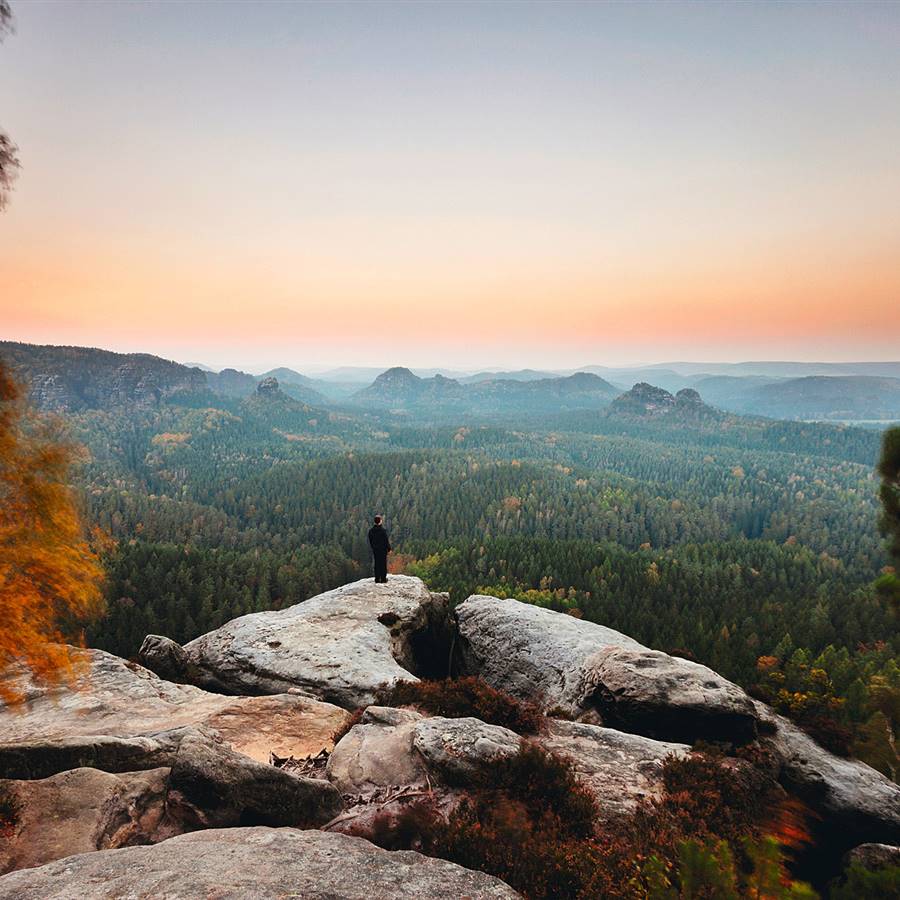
{"points": [[49, 575]]}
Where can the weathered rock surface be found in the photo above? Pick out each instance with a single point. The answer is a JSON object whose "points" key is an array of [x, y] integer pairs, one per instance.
{"points": [[619, 769], [456, 749], [43, 758], [652, 693], [209, 785], [853, 798], [164, 656], [579, 667], [377, 753], [340, 646], [112, 698], [228, 788], [262, 863], [873, 856], [398, 747], [83, 810]]}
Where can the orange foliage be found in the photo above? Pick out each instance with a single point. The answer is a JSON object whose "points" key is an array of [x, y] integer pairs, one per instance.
{"points": [[49, 575], [397, 562]]}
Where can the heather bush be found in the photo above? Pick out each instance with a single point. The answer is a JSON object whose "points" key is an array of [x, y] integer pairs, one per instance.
{"points": [[545, 786], [468, 696], [342, 730], [528, 821], [705, 793]]}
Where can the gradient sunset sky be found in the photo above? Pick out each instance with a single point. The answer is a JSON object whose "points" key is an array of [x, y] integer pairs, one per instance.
{"points": [[458, 184]]}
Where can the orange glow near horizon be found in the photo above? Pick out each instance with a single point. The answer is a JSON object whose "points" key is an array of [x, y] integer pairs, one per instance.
{"points": [[352, 196]]}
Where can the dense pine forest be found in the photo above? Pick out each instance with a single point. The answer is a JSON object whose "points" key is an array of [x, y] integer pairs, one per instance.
{"points": [[750, 545]]}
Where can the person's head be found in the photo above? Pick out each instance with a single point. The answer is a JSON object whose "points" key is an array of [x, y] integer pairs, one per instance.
{"points": [[378, 520]]}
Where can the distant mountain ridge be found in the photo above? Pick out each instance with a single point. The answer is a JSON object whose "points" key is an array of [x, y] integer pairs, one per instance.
{"points": [[76, 378], [829, 397], [400, 387]]}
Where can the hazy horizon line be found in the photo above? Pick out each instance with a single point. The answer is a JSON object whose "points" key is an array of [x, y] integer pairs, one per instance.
{"points": [[317, 369]]}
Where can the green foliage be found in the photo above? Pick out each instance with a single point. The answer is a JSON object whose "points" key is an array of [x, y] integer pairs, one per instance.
{"points": [[889, 469], [183, 592], [469, 696], [849, 702], [704, 870], [726, 538], [860, 883], [806, 694]]}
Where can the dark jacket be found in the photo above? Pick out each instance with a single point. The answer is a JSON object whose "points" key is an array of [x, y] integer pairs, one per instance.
{"points": [[378, 540]]}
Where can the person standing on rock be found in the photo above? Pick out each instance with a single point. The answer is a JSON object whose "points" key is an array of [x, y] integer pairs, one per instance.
{"points": [[381, 546]]}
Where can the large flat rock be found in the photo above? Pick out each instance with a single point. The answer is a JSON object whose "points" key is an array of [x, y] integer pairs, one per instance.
{"points": [[341, 646], [258, 863], [113, 698], [579, 667]]}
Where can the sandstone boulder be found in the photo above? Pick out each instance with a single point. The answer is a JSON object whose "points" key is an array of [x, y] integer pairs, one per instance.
{"points": [[457, 749], [341, 646], [209, 785], [114, 699], [393, 748], [873, 856], [228, 788], [262, 863], [582, 668], [659, 695], [165, 657], [619, 769], [34, 759], [377, 753], [856, 802], [83, 810]]}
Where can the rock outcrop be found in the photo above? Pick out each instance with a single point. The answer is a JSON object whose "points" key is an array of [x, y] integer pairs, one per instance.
{"points": [[873, 856], [652, 693], [37, 758], [113, 699], [76, 378], [204, 784], [122, 757], [586, 669], [579, 667], [619, 769], [341, 646], [83, 810], [377, 753], [268, 387], [228, 788], [263, 863], [399, 747], [852, 798]]}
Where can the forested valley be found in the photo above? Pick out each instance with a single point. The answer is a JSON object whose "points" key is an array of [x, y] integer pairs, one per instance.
{"points": [[750, 545]]}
